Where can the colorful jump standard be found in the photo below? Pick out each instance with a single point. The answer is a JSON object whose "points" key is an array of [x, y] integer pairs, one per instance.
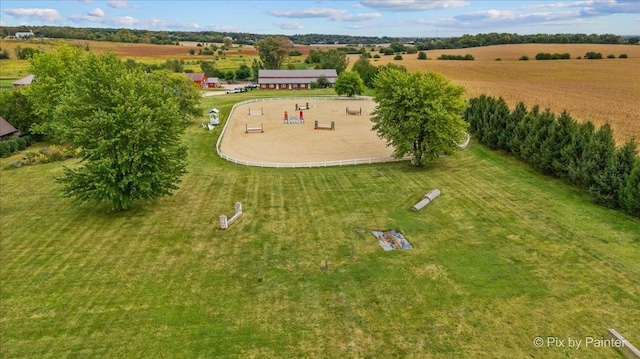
{"points": [[324, 126], [293, 119]]}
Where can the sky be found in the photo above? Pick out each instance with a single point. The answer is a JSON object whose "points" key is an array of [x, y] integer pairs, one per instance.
{"points": [[395, 18]]}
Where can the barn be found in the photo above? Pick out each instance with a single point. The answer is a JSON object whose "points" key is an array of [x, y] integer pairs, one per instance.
{"points": [[212, 82], [293, 79], [198, 78]]}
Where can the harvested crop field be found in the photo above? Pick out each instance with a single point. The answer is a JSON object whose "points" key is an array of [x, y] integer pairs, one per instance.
{"points": [[300, 143], [600, 91]]}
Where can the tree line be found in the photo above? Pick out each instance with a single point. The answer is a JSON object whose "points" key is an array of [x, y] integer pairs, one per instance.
{"points": [[559, 146], [421, 43]]}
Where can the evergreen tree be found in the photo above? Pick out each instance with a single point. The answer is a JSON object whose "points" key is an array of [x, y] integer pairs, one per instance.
{"points": [[630, 195], [514, 127], [576, 149], [598, 155], [565, 129], [609, 184]]}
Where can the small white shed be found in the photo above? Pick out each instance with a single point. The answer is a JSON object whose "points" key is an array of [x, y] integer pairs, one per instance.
{"points": [[214, 116]]}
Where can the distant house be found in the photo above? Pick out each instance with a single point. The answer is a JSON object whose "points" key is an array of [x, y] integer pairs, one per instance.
{"points": [[198, 78], [25, 81], [7, 130], [24, 34], [212, 82], [293, 79]]}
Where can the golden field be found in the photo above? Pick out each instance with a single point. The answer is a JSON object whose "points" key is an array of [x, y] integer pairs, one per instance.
{"points": [[600, 91]]}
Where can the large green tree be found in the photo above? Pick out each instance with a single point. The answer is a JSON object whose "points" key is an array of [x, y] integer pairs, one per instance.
{"points": [[419, 114], [273, 51], [349, 84], [127, 125], [366, 70]]}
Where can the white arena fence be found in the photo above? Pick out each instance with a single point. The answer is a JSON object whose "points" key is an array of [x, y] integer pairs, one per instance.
{"points": [[357, 161]]}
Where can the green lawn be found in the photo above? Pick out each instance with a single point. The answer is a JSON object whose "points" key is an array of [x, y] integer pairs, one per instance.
{"points": [[504, 255]]}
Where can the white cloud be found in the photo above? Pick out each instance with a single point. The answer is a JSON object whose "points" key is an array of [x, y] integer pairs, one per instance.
{"points": [[97, 12], [290, 25], [548, 14], [49, 15], [327, 13], [357, 17], [118, 4], [413, 5], [162, 24], [308, 13], [124, 21]]}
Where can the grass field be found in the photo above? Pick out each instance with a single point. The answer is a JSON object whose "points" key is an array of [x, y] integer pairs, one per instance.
{"points": [[503, 256]]}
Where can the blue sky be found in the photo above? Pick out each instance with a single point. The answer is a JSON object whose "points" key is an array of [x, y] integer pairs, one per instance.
{"points": [[411, 18]]}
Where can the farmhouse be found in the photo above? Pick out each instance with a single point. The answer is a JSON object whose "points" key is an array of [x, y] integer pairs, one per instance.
{"points": [[6, 129], [25, 81], [293, 79], [198, 78]]}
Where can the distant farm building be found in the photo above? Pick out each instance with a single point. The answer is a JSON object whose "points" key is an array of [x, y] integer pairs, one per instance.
{"points": [[25, 81], [293, 79], [212, 82], [198, 78], [7, 130], [24, 34]]}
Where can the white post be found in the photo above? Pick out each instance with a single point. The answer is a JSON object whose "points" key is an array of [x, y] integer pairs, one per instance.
{"points": [[223, 222], [238, 207]]}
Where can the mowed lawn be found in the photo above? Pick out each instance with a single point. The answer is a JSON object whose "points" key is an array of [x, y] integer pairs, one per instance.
{"points": [[504, 255]]}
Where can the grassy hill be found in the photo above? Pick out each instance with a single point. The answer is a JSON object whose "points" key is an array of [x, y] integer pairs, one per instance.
{"points": [[503, 256]]}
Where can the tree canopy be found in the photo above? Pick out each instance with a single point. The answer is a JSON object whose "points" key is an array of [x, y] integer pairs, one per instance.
{"points": [[366, 71], [273, 51], [127, 125], [349, 84], [419, 114]]}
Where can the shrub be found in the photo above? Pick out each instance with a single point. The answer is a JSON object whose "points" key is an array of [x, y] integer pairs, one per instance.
{"points": [[467, 57], [548, 56], [376, 56], [611, 56], [13, 144], [422, 55], [524, 58], [498, 59], [593, 55], [389, 51], [398, 57], [5, 149], [22, 143], [623, 56]]}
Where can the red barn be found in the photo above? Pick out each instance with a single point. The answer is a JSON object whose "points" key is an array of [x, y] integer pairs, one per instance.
{"points": [[198, 78]]}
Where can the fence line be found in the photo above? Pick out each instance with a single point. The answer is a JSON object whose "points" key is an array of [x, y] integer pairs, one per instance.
{"points": [[349, 162]]}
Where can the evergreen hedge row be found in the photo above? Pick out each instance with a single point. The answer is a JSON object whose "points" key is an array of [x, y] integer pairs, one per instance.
{"points": [[561, 147]]}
